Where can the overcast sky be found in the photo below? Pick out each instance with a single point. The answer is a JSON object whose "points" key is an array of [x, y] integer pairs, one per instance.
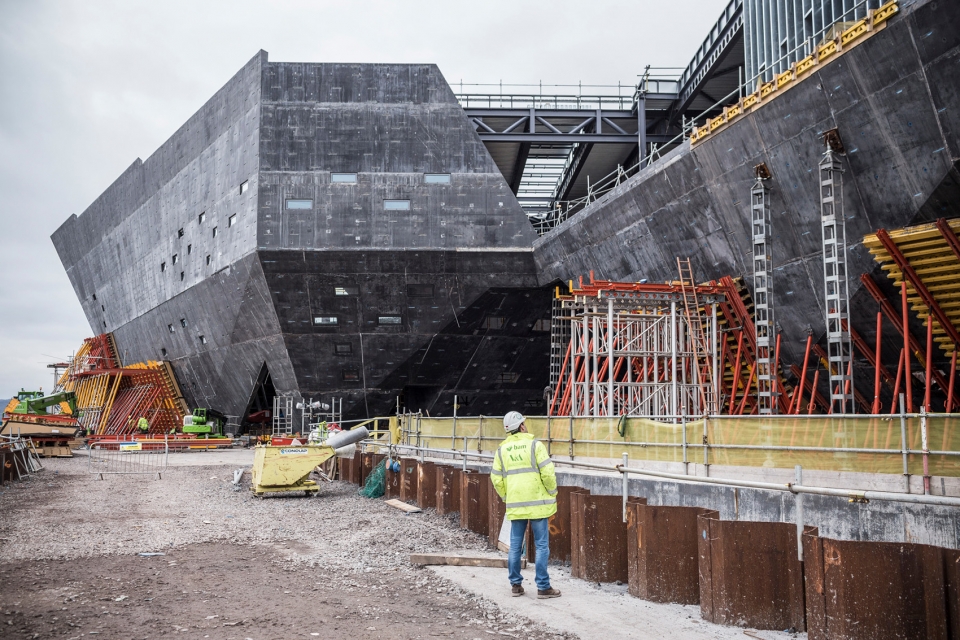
{"points": [[87, 86]]}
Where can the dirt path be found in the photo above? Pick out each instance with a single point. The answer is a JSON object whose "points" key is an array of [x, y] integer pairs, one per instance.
{"points": [[335, 566]]}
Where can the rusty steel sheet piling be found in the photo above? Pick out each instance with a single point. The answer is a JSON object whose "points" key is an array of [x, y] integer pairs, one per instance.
{"points": [[497, 510], [559, 530], [876, 590], [474, 502], [598, 540], [345, 467], [663, 558], [448, 489], [366, 466], [951, 572], [427, 485], [392, 483], [749, 574], [409, 474]]}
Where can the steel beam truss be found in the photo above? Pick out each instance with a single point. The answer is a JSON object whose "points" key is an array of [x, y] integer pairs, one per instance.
{"points": [[839, 348], [635, 353]]}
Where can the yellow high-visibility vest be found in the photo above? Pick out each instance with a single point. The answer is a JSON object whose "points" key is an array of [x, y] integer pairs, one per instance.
{"points": [[523, 475]]}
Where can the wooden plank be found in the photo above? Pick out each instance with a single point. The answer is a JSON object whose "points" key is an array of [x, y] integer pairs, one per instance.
{"points": [[403, 506], [461, 560]]}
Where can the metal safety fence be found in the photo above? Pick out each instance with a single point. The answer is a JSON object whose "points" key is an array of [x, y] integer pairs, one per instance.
{"points": [[908, 444], [128, 458], [18, 458]]}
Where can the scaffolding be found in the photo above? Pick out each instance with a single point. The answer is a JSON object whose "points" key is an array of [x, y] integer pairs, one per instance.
{"points": [[282, 415], [634, 350], [763, 298], [839, 348]]}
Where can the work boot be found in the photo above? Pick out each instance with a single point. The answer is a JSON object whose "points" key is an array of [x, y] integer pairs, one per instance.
{"points": [[548, 593], [517, 590]]}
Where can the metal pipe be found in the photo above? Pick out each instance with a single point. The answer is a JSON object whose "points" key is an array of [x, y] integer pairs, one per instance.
{"points": [[803, 376], [924, 445], [929, 363], [798, 508], [906, 345], [953, 377], [626, 485], [876, 375], [903, 443]]}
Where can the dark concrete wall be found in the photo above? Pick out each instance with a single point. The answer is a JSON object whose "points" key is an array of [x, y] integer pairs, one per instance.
{"points": [[390, 124], [460, 254], [114, 249], [895, 101]]}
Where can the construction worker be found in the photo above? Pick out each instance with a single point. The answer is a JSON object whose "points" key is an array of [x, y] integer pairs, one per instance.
{"points": [[143, 425], [524, 478]]}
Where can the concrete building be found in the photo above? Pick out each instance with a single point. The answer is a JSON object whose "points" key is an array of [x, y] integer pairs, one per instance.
{"points": [[337, 230]]}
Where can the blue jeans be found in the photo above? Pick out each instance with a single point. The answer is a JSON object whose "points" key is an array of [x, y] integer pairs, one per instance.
{"points": [[541, 541]]}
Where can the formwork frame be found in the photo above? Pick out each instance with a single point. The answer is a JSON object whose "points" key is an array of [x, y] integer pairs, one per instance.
{"points": [[836, 298], [633, 353], [764, 324]]}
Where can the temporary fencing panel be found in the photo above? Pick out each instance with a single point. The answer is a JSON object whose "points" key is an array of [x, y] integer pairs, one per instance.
{"points": [[123, 458]]}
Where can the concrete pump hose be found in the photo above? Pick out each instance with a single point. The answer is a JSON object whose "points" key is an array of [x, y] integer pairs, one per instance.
{"points": [[344, 438], [346, 451]]}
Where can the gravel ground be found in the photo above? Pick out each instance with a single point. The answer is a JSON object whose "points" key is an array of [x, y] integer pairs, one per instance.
{"points": [[292, 566]]}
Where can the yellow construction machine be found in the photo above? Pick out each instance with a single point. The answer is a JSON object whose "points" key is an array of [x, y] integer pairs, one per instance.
{"points": [[287, 468]]}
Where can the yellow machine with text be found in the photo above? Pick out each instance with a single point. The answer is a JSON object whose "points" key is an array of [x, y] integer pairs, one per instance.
{"points": [[287, 468]]}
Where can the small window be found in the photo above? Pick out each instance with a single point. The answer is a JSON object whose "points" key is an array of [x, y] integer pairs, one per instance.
{"points": [[436, 178], [181, 276], [508, 376], [543, 324], [102, 308], [189, 249], [299, 204], [202, 217], [494, 322], [183, 322], [163, 352], [94, 296], [163, 267], [203, 339], [232, 220], [343, 349], [174, 258], [420, 290], [328, 321], [344, 178], [180, 233], [345, 291], [388, 320], [208, 258], [396, 205], [351, 375], [244, 186], [104, 324], [170, 328], [214, 232]]}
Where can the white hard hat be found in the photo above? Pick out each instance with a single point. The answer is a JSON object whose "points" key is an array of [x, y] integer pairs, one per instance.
{"points": [[512, 421]]}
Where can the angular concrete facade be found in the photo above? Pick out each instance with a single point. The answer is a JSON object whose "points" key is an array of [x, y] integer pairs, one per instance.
{"points": [[341, 225], [895, 99]]}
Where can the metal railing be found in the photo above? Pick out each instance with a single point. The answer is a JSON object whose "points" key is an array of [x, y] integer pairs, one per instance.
{"points": [[128, 458]]}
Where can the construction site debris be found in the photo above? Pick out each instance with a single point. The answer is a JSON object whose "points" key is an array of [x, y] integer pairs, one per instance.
{"points": [[461, 560], [403, 506]]}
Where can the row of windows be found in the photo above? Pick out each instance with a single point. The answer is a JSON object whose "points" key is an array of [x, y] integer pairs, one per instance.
{"points": [[203, 214], [294, 204], [232, 220], [428, 178], [388, 205], [413, 291], [333, 321]]}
